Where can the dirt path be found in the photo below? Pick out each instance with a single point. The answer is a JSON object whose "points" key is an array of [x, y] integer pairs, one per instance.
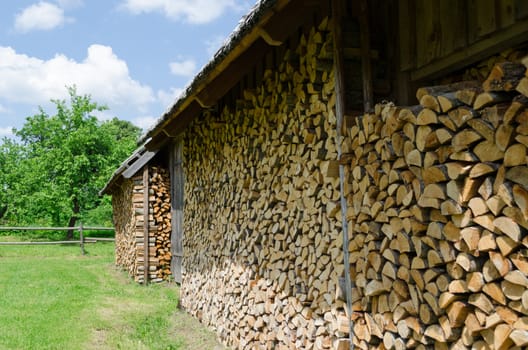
{"points": [[195, 335], [119, 315]]}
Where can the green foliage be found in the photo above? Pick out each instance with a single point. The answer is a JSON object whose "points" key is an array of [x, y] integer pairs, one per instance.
{"points": [[52, 171]]}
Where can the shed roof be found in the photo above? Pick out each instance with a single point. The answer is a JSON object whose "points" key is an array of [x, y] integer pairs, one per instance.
{"points": [[221, 58], [267, 24], [129, 167]]}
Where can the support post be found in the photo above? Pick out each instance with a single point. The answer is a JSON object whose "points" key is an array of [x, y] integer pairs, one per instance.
{"points": [[177, 199], [337, 10], [366, 66], [81, 238], [146, 224]]}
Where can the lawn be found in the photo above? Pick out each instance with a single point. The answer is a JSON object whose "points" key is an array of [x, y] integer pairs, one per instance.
{"points": [[51, 297]]}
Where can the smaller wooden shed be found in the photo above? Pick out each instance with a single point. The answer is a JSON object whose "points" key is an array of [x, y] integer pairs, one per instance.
{"points": [[141, 199]]}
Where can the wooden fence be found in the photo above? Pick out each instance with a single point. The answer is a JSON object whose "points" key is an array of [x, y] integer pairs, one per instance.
{"points": [[82, 238]]}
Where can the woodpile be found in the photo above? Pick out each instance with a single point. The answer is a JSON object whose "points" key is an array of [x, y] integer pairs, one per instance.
{"points": [[438, 199], [125, 223], [482, 70], [262, 245], [129, 218], [161, 209]]}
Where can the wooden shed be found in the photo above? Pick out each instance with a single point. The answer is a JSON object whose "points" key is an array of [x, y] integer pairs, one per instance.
{"points": [[309, 209]]}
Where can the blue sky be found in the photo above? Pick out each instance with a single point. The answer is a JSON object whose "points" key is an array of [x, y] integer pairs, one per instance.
{"points": [[135, 56]]}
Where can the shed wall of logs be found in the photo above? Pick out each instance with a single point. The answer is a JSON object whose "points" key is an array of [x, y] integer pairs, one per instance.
{"points": [[262, 242], [437, 205]]}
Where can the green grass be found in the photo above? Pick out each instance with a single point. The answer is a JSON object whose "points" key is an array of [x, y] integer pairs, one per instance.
{"points": [[51, 297]]}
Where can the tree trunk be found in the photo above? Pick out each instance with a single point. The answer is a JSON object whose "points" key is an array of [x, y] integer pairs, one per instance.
{"points": [[73, 218], [3, 210]]}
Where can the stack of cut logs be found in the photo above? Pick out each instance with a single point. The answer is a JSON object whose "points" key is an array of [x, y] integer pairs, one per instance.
{"points": [[128, 218], [439, 212], [130, 248], [262, 247], [161, 209], [481, 70], [437, 204], [125, 205]]}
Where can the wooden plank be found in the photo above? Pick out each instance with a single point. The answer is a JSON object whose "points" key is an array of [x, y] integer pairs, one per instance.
{"points": [[97, 228], [452, 15], [82, 239], [512, 36], [486, 21], [407, 34], [138, 164], [177, 198], [337, 12], [176, 125], [232, 74], [46, 243], [366, 67], [14, 228], [506, 13], [471, 21], [282, 24], [405, 50], [521, 9], [102, 239], [427, 31]]}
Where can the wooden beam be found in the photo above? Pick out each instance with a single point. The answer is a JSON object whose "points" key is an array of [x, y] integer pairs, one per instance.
{"points": [[174, 127], [145, 224], [177, 202], [407, 36], [182, 120], [276, 29], [286, 21], [404, 31], [339, 66], [268, 38], [366, 67], [513, 35], [202, 104], [226, 79], [138, 164]]}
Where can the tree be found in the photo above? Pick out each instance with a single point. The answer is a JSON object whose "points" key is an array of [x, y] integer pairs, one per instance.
{"points": [[63, 161]]}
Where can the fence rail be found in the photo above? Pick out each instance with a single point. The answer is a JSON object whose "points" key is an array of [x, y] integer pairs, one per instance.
{"points": [[82, 239], [35, 228]]}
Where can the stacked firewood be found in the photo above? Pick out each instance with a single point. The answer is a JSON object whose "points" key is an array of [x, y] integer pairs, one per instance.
{"points": [[481, 70], [439, 206], [161, 209], [129, 218], [262, 245], [128, 221]]}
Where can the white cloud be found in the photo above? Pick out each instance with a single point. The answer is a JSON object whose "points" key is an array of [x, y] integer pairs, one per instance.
{"points": [[185, 68], [101, 74], [193, 11], [41, 16], [3, 109], [8, 131], [69, 4], [144, 122]]}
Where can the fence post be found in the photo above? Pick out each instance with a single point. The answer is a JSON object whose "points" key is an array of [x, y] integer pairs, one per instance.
{"points": [[81, 238]]}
